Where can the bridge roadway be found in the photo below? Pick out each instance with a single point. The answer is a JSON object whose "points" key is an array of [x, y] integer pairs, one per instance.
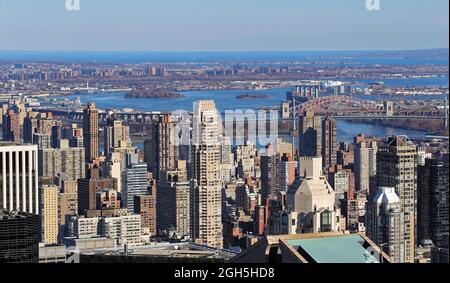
{"points": [[75, 116], [385, 117]]}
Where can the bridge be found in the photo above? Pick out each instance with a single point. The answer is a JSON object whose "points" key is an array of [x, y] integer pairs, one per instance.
{"points": [[77, 116], [349, 107], [336, 106]]}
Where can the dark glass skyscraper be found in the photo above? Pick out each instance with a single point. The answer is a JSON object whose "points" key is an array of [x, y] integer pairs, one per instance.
{"points": [[19, 237], [310, 138], [432, 206]]}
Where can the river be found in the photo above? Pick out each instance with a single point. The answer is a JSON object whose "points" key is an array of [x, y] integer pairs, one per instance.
{"points": [[226, 100]]}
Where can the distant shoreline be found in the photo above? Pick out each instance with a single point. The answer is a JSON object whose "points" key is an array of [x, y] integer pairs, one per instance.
{"points": [[254, 96], [153, 94]]}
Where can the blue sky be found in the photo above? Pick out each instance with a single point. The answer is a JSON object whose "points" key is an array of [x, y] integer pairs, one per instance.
{"points": [[223, 25]]}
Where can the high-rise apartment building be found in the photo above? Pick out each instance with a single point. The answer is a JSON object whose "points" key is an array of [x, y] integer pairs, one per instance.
{"points": [[114, 168], [135, 183], [43, 141], [75, 135], [329, 142], [433, 195], [386, 224], [161, 152], [174, 203], [397, 168], [37, 123], [72, 161], [287, 172], [361, 164], [49, 214], [145, 206], [270, 173], [207, 185], [65, 160], [19, 178], [245, 157], [89, 186], [373, 152], [310, 138], [67, 204], [125, 229], [12, 126], [91, 132], [115, 133], [342, 181], [49, 162]]}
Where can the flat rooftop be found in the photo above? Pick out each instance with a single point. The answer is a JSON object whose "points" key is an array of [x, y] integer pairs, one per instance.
{"points": [[166, 250], [327, 247], [344, 249]]}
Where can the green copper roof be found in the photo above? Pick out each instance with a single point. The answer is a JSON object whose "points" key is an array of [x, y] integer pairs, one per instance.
{"points": [[347, 249]]}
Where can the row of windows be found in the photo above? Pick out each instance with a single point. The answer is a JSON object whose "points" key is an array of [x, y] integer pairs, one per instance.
{"points": [[10, 158]]}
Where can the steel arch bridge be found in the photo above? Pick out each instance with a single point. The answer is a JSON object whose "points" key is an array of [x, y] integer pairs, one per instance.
{"points": [[341, 105]]}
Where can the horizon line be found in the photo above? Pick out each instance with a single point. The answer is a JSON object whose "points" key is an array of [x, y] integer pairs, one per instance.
{"points": [[226, 51]]}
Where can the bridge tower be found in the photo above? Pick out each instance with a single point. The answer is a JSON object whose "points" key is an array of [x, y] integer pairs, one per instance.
{"points": [[389, 108], [446, 112]]}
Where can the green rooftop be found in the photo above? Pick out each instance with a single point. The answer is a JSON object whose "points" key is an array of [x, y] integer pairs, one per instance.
{"points": [[348, 249]]}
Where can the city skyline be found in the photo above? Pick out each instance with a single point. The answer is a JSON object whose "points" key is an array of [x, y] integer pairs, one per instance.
{"points": [[302, 132]]}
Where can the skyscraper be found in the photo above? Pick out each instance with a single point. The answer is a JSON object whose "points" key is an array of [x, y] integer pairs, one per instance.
{"points": [[160, 151], [342, 181], [65, 160], [310, 141], [386, 224], [174, 203], [287, 172], [433, 195], [90, 132], [19, 178], [89, 186], [397, 168], [207, 186], [114, 168], [373, 152], [49, 214], [49, 162], [43, 141], [12, 125], [312, 199], [270, 173], [134, 183], [329, 142], [115, 133], [145, 206], [361, 164], [19, 237], [72, 161], [67, 204]]}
